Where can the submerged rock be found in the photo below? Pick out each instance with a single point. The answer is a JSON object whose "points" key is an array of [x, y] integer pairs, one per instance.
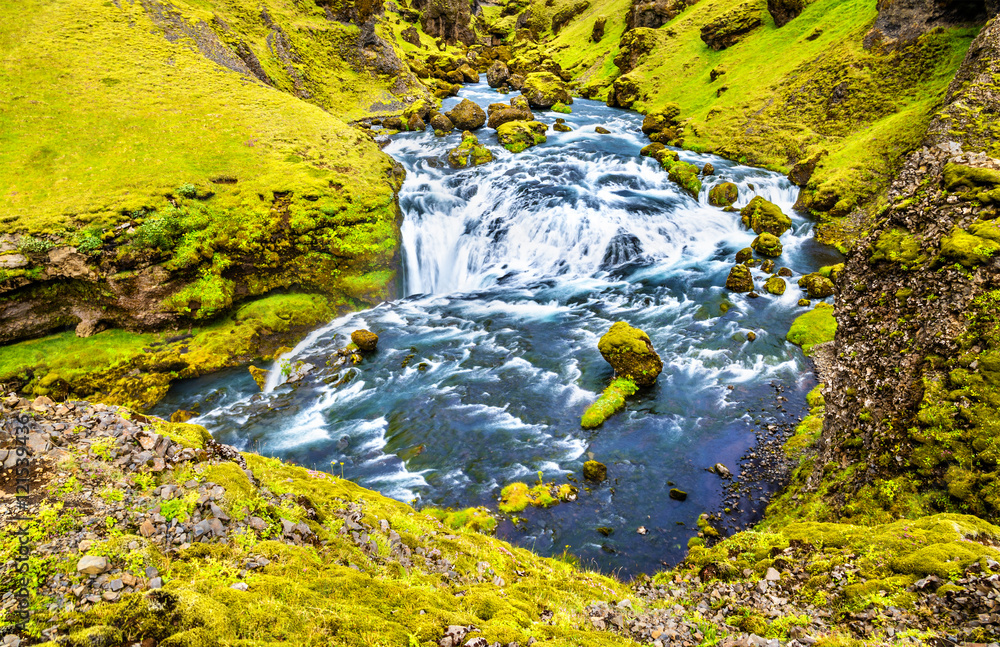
{"points": [[723, 195], [678, 495], [595, 471], [739, 279], [467, 115], [630, 353], [365, 340]]}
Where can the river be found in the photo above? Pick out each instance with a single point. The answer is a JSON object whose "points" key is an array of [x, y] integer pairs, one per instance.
{"points": [[513, 271]]}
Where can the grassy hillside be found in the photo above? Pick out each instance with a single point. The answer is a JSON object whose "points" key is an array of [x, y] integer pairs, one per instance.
{"points": [[783, 95]]}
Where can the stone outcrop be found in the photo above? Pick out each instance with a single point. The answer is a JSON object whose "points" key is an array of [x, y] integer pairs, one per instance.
{"points": [[630, 353], [903, 21], [654, 13], [729, 28]]}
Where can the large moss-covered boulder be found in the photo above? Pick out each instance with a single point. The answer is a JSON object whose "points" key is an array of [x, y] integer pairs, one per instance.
{"points": [[545, 89], [630, 353], [767, 245], [467, 115], [517, 136], [497, 74], [729, 28], [723, 195], [740, 279], [744, 255], [763, 216], [816, 285], [365, 340], [469, 153], [594, 471], [665, 118], [439, 122], [517, 110]]}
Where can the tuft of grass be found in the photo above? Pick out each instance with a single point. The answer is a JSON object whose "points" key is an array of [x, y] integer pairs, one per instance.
{"points": [[814, 327]]}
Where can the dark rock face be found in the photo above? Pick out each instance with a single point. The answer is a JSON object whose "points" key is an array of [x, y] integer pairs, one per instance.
{"points": [[903, 21], [729, 28], [568, 13], [654, 13], [411, 36], [914, 382], [449, 20], [598, 32], [783, 11], [623, 248]]}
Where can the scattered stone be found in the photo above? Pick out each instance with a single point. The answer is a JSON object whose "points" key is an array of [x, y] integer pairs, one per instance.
{"points": [[594, 471], [365, 340], [91, 565]]}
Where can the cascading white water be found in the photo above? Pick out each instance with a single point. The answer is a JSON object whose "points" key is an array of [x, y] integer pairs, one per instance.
{"points": [[513, 270]]}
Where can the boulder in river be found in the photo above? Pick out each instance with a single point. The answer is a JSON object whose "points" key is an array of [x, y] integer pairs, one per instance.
{"points": [[601, 130], [723, 195], [562, 128], [708, 169], [497, 74], [678, 495], [740, 279], [469, 153], [767, 245], [518, 110], [365, 340], [517, 136], [630, 353], [441, 122], [816, 286], [763, 216], [775, 285], [545, 89], [467, 115], [767, 266], [744, 255], [595, 471]]}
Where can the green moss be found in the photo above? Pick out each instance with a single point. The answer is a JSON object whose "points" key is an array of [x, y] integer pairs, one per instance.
{"points": [[960, 176], [814, 327], [767, 245], [517, 136], [684, 175], [478, 519], [723, 195], [562, 107], [611, 401], [971, 249], [764, 217], [515, 497]]}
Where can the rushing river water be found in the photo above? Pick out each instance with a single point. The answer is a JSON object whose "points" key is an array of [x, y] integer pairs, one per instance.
{"points": [[514, 269]]}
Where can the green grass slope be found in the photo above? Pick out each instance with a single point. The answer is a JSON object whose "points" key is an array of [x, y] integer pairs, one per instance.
{"points": [[787, 94]]}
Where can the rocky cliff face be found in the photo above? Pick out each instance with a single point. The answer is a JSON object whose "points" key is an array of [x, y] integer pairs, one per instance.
{"points": [[911, 401]]}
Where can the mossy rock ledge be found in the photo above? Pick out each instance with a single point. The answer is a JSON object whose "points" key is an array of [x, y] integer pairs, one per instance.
{"points": [[630, 353]]}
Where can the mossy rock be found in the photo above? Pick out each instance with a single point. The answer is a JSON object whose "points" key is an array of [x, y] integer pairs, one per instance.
{"points": [[767, 245], [732, 26], [259, 376], [665, 118], [973, 247], [365, 340], [740, 279], [962, 177], [630, 353], [817, 286], [899, 246], [469, 153], [767, 266], [595, 471], [650, 149], [441, 123], [762, 216], [814, 327], [563, 108], [545, 89], [723, 195], [467, 115], [562, 128], [744, 255], [517, 136], [684, 175], [611, 401], [775, 285]]}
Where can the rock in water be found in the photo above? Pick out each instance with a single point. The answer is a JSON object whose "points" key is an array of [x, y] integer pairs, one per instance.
{"points": [[595, 471], [469, 153], [630, 353], [775, 285], [623, 248], [763, 216], [365, 340], [722, 471], [740, 279], [517, 136], [767, 245], [678, 495], [816, 286], [723, 195], [744, 255], [259, 376], [497, 74], [467, 115], [545, 89]]}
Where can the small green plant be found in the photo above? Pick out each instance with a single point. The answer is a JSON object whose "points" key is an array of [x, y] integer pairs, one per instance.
{"points": [[143, 480], [102, 448], [187, 190], [32, 245]]}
